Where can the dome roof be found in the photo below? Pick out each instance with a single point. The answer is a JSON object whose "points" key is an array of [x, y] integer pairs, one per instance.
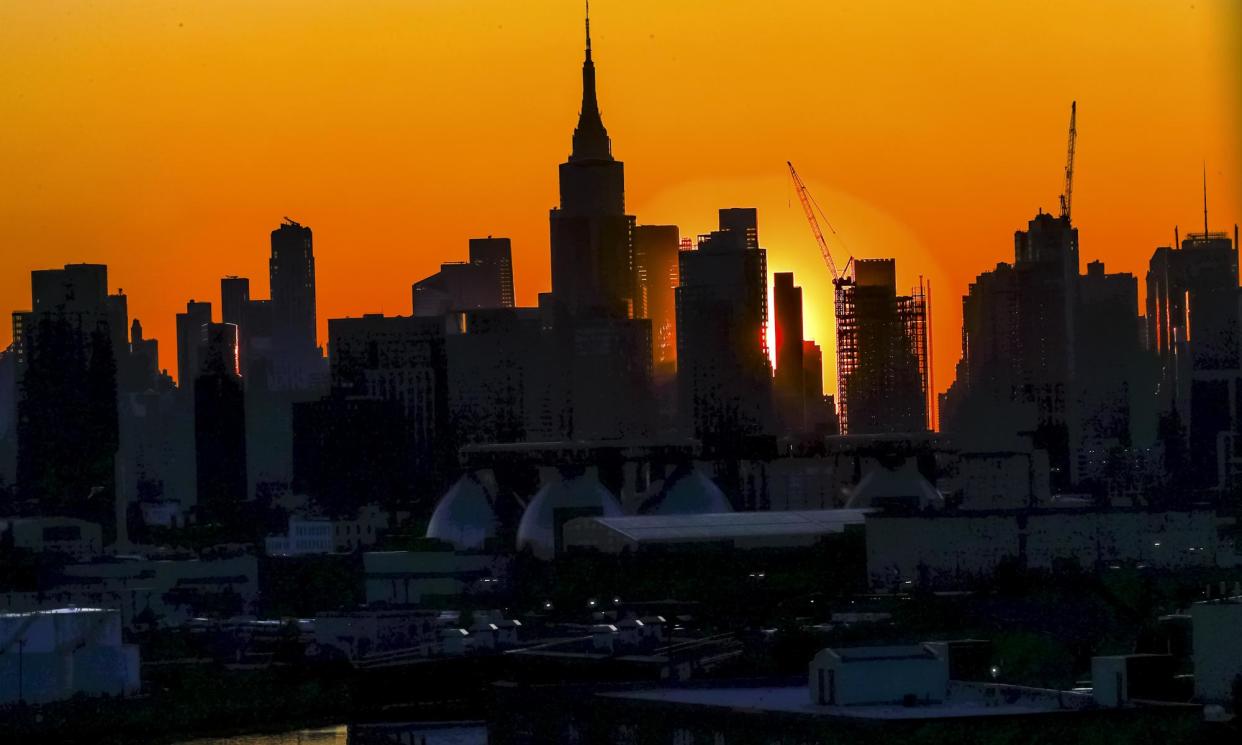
{"points": [[464, 517], [582, 494], [903, 486], [687, 492]]}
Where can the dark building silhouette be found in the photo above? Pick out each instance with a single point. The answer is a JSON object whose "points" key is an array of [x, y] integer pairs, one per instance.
{"points": [[655, 270], [400, 361], [723, 371], [1192, 326], [234, 295], [149, 411], [495, 257], [1114, 382], [612, 385], [789, 385], [8, 419], [219, 426], [821, 412], [66, 373], [351, 451], [189, 341], [486, 281], [592, 267], [606, 351], [295, 347], [881, 352], [505, 380], [144, 368], [743, 221], [1019, 351]]}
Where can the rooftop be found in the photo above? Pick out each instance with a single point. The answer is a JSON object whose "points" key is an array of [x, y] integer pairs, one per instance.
{"points": [[724, 525], [866, 654], [965, 701]]}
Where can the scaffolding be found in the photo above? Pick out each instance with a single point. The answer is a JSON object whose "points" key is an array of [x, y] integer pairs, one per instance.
{"points": [[913, 313], [897, 334], [847, 344]]}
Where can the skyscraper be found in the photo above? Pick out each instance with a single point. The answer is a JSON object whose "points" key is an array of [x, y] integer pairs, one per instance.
{"points": [[189, 341], [234, 294], [292, 273], [723, 371], [1193, 327], [1115, 408], [789, 385], [485, 281], [401, 361], [881, 352], [505, 380], [495, 257], [655, 272], [821, 413], [607, 351], [592, 268], [219, 425], [67, 393], [1019, 350]]}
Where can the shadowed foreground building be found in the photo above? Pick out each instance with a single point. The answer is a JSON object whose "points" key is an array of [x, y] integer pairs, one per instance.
{"points": [[1193, 328], [485, 281], [398, 365], [723, 371], [65, 354], [656, 250], [219, 426], [789, 385]]}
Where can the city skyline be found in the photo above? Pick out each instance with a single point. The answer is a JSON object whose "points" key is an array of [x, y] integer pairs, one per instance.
{"points": [[194, 226]]}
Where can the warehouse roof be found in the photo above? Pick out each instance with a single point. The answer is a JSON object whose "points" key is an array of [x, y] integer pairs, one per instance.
{"points": [[730, 525]]}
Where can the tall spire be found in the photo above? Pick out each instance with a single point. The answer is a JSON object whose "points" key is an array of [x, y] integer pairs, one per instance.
{"points": [[1205, 220], [590, 137]]}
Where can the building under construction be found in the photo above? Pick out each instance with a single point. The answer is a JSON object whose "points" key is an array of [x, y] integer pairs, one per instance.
{"points": [[883, 355]]}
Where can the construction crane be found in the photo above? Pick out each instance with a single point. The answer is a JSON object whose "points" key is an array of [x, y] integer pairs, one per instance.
{"points": [[1068, 197], [809, 207]]}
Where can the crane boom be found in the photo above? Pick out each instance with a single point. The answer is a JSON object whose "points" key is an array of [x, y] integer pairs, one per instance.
{"points": [[805, 198], [1068, 197]]}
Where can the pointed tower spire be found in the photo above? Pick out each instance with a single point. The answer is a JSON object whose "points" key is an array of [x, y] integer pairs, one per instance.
{"points": [[590, 137], [1205, 219]]}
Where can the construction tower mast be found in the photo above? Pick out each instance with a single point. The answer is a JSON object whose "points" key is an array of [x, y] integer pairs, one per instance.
{"points": [[1067, 197]]}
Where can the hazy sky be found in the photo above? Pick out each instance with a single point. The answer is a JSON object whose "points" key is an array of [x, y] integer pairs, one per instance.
{"points": [[168, 139]]}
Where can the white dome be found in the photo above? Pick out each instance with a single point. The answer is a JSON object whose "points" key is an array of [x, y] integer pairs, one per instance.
{"points": [[901, 486], [584, 495], [687, 492], [464, 517]]}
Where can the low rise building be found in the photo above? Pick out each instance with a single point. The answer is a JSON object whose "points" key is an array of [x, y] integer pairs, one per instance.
{"points": [[417, 578], [322, 535], [161, 592], [79, 539], [364, 633], [950, 549], [879, 675], [736, 529], [1217, 649], [53, 655]]}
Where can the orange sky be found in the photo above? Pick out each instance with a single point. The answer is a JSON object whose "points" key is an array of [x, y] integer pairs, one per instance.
{"points": [[168, 138]]}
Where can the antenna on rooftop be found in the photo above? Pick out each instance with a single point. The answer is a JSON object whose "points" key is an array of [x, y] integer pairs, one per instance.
{"points": [[1205, 217]]}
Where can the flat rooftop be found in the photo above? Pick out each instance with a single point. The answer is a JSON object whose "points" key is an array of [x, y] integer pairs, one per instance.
{"points": [[726, 525], [797, 700]]}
